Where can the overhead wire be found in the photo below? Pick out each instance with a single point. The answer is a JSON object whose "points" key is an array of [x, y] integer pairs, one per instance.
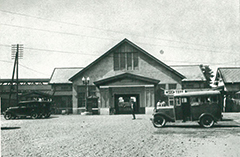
{"points": [[108, 30], [74, 34], [24, 67], [56, 51]]}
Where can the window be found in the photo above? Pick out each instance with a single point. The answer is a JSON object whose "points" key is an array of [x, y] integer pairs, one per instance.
{"points": [[81, 99], [92, 91], [82, 94], [178, 102], [66, 88], [122, 61], [172, 86], [129, 61], [163, 86], [135, 61], [125, 61], [195, 101], [184, 100], [116, 61], [188, 86], [171, 101]]}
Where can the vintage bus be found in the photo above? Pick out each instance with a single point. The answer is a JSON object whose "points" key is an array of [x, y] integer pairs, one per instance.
{"points": [[205, 107]]}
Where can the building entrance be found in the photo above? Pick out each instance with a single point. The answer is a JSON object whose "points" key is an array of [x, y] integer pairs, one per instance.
{"points": [[122, 103]]}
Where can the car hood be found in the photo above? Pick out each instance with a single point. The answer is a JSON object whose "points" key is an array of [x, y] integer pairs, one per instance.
{"points": [[12, 108]]}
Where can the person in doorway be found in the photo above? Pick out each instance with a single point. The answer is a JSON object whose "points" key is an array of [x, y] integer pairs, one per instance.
{"points": [[132, 108], [224, 103]]}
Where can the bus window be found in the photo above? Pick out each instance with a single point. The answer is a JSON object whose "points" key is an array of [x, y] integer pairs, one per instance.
{"points": [[203, 100], [195, 101], [184, 100], [171, 101], [214, 99], [178, 102]]}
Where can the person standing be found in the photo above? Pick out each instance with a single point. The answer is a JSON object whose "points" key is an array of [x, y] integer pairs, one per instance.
{"points": [[132, 108]]}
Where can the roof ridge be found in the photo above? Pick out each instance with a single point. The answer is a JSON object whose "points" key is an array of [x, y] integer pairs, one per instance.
{"points": [[229, 68], [68, 67], [183, 65]]}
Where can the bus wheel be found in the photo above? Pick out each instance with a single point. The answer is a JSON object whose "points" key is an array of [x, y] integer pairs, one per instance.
{"points": [[206, 121], [159, 121]]}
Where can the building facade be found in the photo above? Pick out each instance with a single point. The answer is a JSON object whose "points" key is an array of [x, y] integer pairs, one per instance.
{"points": [[228, 80], [28, 89], [125, 72], [62, 88]]}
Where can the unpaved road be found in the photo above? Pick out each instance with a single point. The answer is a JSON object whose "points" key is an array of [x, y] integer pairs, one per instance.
{"points": [[118, 135]]}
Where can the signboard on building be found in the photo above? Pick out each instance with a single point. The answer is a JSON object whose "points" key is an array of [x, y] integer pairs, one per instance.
{"points": [[172, 92]]}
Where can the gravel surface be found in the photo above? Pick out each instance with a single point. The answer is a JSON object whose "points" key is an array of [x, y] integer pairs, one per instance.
{"points": [[117, 135]]}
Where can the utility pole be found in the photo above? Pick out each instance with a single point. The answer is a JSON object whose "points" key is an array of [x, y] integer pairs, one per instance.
{"points": [[17, 53]]}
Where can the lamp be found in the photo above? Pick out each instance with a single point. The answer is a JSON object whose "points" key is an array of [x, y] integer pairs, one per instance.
{"points": [[86, 82]]}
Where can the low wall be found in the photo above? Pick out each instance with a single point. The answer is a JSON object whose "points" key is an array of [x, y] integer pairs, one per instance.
{"points": [[149, 110]]}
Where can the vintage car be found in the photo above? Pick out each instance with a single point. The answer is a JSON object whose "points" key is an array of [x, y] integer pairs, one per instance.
{"points": [[33, 109], [205, 107]]}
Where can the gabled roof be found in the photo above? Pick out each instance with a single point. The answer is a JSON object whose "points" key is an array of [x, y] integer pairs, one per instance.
{"points": [[230, 74], [126, 75], [26, 80], [135, 46], [62, 75], [38, 93], [191, 72]]}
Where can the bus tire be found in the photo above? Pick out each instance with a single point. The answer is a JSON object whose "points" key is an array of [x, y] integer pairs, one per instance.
{"points": [[159, 121], [207, 121]]}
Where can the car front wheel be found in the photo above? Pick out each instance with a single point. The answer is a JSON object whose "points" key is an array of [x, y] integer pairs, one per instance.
{"points": [[47, 115], [34, 115], [159, 121], [8, 116], [206, 121]]}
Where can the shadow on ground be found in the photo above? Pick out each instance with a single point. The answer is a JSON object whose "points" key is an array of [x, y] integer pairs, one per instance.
{"points": [[198, 126], [29, 118], [9, 128]]}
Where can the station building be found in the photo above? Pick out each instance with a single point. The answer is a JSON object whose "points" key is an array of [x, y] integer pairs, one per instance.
{"points": [[126, 72]]}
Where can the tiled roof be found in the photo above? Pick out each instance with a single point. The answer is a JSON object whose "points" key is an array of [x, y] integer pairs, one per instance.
{"points": [[230, 74], [191, 72], [62, 75]]}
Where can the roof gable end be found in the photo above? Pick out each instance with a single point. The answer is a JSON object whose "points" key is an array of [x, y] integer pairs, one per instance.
{"points": [[124, 76], [136, 47]]}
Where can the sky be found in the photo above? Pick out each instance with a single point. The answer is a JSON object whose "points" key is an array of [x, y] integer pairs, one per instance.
{"points": [[63, 33]]}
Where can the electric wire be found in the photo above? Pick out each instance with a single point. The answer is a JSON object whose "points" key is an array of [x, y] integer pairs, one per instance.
{"points": [[113, 31]]}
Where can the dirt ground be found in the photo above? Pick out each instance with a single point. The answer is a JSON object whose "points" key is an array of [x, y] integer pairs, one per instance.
{"points": [[118, 135]]}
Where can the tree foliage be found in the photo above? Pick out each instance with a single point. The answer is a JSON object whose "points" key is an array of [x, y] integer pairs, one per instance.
{"points": [[208, 73]]}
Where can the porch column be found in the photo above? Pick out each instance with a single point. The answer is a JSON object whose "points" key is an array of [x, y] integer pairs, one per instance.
{"points": [[105, 100], [74, 100], [150, 99]]}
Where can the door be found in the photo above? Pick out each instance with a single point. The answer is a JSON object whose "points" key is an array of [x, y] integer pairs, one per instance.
{"points": [[178, 109], [122, 103], [186, 108]]}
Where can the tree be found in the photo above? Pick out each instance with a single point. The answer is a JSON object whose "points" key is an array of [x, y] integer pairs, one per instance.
{"points": [[208, 73]]}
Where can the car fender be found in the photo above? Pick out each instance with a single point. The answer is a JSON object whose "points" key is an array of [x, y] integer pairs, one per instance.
{"points": [[6, 112], [167, 117], [206, 114]]}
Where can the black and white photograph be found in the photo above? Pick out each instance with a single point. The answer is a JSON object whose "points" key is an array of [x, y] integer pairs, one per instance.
{"points": [[120, 78]]}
